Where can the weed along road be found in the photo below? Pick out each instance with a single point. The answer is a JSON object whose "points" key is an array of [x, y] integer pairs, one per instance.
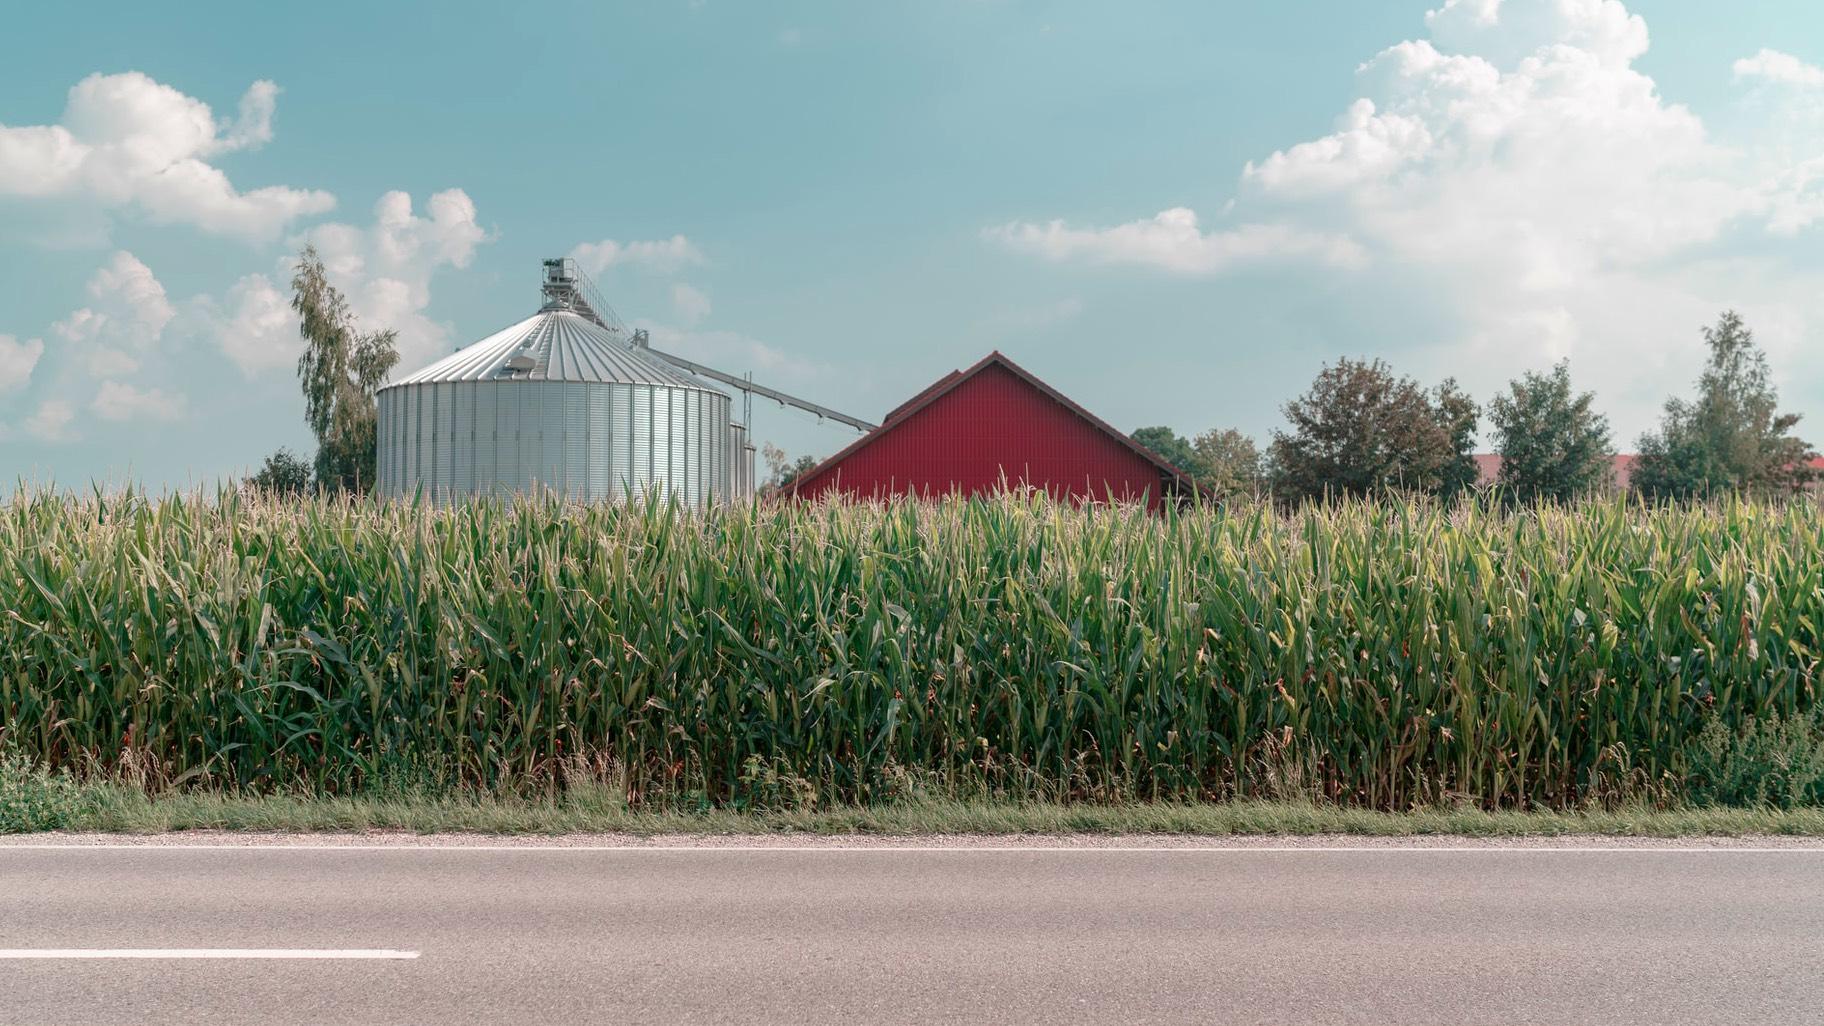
{"points": [[1268, 931]]}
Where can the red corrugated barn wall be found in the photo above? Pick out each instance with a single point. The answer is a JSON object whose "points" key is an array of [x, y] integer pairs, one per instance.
{"points": [[994, 423]]}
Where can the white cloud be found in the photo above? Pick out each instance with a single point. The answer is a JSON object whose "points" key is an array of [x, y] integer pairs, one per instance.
{"points": [[118, 401], [51, 422], [105, 345], [17, 360], [253, 128], [731, 352], [129, 319], [691, 304], [663, 255], [1510, 32], [1796, 198], [1520, 176], [1367, 144], [385, 269], [1172, 241], [253, 325], [128, 141], [1567, 163], [1784, 68], [129, 315]]}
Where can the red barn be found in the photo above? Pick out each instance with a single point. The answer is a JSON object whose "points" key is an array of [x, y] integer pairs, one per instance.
{"points": [[995, 423]]}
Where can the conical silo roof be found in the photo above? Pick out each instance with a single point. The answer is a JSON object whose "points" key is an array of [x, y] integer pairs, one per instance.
{"points": [[556, 344]]}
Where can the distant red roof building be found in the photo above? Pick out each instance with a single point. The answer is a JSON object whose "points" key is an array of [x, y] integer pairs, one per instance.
{"points": [[1488, 468], [973, 431]]}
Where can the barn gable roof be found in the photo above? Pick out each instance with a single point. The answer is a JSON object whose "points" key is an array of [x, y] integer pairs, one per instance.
{"points": [[929, 390], [956, 379]]}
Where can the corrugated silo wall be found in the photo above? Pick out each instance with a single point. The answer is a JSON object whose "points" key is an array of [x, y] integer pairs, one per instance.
{"points": [[740, 486], [584, 440]]}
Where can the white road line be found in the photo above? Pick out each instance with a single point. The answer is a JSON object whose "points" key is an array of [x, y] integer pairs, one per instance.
{"points": [[933, 849], [309, 953]]}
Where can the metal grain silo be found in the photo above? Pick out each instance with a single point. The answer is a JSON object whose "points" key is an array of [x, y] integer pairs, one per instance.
{"points": [[560, 401]]}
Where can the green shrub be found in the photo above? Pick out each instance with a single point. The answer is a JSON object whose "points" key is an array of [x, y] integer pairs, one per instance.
{"points": [[1767, 761], [33, 798]]}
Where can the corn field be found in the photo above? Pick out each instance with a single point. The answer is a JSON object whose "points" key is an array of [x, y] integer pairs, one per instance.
{"points": [[1379, 654]]}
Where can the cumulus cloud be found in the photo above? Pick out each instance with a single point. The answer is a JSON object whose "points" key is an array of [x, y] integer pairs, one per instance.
{"points": [[662, 255], [50, 422], [127, 141], [253, 128], [253, 324], [129, 315], [1172, 241], [1565, 163], [1519, 174], [17, 360], [386, 268], [118, 401], [1784, 68], [691, 303], [732, 352], [1510, 32]]}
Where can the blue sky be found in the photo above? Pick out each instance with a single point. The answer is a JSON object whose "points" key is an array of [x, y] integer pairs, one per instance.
{"points": [[1175, 212]]}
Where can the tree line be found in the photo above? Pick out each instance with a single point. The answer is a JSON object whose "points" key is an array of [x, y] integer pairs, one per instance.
{"points": [[1362, 430]]}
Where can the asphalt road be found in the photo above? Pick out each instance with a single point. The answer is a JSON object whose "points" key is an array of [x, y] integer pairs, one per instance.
{"points": [[541, 935]]}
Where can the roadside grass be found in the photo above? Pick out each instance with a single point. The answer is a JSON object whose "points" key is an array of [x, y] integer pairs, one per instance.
{"points": [[111, 808]]}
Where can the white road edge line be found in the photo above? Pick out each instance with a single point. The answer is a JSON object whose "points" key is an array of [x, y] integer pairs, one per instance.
{"points": [[307, 953], [933, 849]]}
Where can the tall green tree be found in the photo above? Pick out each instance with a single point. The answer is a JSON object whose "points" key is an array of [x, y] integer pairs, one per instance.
{"points": [[1230, 459], [1732, 435], [1457, 416], [284, 474], [1361, 430], [1553, 444], [1173, 448], [782, 470], [341, 369], [799, 467]]}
